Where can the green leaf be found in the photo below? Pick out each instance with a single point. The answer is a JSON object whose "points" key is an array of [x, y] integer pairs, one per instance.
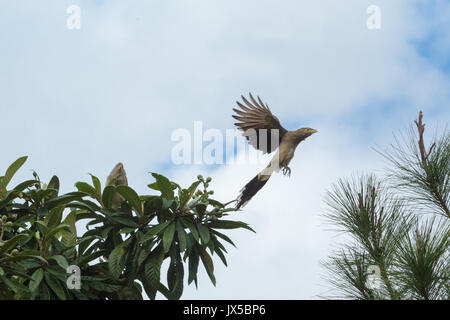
{"points": [[144, 252], [54, 184], [86, 187], [116, 261], [10, 172], [164, 186], [60, 260], [200, 208], [154, 186], [108, 195], [218, 247], [186, 196], [21, 256], [127, 230], [106, 230], [152, 205], [97, 185], [166, 204], [216, 203], [11, 243], [152, 267], [166, 293], [181, 235], [131, 267], [26, 184], [84, 260], [37, 278], [175, 275], [168, 236], [192, 228], [11, 285], [8, 196], [224, 237], [204, 233], [207, 263], [54, 217], [69, 237], [228, 224], [124, 220], [131, 196], [85, 242], [129, 293], [194, 260], [154, 230], [63, 199], [41, 226], [84, 205], [54, 232], [149, 289], [56, 286]]}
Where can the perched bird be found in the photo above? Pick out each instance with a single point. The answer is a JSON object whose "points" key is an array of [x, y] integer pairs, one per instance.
{"points": [[264, 132], [118, 176]]}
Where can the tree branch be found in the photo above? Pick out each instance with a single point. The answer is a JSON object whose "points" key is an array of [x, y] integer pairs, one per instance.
{"points": [[424, 157]]}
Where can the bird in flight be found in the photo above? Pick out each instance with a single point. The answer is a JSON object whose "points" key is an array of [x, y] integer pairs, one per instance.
{"points": [[265, 133]]}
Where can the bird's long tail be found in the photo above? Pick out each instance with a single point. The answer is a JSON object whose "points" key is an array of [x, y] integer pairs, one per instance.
{"points": [[253, 187]]}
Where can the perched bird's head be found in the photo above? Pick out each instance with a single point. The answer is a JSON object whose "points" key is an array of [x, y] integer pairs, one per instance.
{"points": [[304, 133], [118, 167], [117, 176]]}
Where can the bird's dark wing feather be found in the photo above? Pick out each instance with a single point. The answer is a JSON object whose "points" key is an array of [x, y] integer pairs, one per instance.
{"points": [[256, 115]]}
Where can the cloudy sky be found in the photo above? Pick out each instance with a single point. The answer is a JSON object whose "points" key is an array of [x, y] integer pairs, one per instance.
{"points": [[79, 101]]}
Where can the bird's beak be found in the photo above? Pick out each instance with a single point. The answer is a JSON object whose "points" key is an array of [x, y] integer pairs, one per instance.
{"points": [[314, 131]]}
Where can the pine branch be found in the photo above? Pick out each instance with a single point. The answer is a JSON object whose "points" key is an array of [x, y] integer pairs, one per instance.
{"points": [[424, 157], [423, 260], [422, 174], [374, 217]]}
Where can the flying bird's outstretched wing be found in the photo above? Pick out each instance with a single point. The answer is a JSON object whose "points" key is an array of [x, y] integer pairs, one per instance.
{"points": [[257, 116]]}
